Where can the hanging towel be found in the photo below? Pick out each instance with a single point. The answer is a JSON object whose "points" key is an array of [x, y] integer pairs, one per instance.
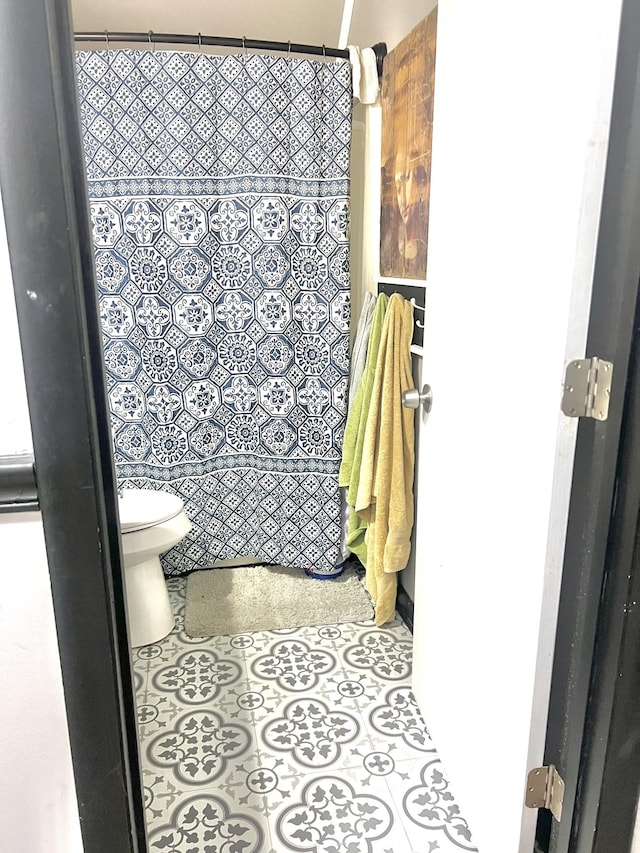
{"points": [[385, 486], [354, 59], [358, 359], [361, 345], [364, 74], [349, 475], [369, 80]]}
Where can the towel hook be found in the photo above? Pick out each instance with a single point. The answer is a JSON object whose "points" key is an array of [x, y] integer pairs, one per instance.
{"points": [[415, 305]]}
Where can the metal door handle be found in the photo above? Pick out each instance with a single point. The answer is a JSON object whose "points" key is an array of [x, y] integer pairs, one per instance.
{"points": [[413, 398]]}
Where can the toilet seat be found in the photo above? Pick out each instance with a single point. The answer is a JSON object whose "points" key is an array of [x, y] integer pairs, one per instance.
{"points": [[143, 508]]}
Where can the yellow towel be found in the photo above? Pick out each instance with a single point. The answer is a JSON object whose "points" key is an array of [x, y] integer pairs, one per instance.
{"points": [[349, 474], [385, 487]]}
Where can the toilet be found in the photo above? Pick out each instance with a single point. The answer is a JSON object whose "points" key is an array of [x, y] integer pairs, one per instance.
{"points": [[151, 522]]}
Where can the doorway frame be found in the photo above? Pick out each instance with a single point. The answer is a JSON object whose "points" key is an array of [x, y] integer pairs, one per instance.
{"points": [[598, 544], [45, 199], [46, 212], [610, 761]]}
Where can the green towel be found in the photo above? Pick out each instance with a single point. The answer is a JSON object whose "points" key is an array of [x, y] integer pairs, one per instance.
{"points": [[349, 475]]}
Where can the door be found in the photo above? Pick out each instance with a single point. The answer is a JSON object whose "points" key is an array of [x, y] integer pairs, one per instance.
{"points": [[520, 138]]}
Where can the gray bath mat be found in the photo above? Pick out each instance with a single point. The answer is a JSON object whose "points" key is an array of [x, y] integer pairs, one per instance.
{"points": [[265, 598]]}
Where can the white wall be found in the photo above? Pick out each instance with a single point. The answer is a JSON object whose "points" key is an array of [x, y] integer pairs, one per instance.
{"points": [[37, 791], [15, 429], [305, 21], [381, 20]]}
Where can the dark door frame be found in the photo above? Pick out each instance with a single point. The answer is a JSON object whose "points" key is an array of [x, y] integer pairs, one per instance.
{"points": [[46, 212], [610, 767], [600, 534]]}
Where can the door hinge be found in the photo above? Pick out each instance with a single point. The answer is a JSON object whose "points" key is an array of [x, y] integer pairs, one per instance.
{"points": [[587, 388], [545, 790]]}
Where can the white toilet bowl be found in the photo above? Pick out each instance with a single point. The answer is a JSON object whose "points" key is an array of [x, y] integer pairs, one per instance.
{"points": [[151, 522]]}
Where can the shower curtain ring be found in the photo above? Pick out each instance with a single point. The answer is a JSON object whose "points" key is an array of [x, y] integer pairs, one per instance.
{"points": [[199, 42], [106, 38], [324, 51], [244, 44], [152, 44], [289, 50]]}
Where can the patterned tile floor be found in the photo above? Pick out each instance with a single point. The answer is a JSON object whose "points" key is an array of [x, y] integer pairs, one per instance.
{"points": [[298, 740]]}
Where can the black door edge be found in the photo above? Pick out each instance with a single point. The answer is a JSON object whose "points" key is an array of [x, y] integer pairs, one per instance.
{"points": [[46, 211], [610, 761], [609, 336]]}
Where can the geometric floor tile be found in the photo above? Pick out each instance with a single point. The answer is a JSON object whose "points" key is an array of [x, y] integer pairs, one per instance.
{"points": [[430, 805], [199, 819], [311, 732], [400, 718], [305, 740], [199, 748], [331, 814]]}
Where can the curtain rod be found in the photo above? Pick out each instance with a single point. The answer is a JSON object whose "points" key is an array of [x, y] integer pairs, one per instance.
{"points": [[380, 49]]}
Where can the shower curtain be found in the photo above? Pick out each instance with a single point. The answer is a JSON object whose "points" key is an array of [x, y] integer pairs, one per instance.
{"points": [[219, 203]]}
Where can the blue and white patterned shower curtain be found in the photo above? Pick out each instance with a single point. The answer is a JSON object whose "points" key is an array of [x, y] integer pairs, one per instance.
{"points": [[219, 202]]}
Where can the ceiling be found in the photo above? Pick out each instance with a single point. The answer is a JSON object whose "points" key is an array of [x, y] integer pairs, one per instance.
{"points": [[304, 21]]}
